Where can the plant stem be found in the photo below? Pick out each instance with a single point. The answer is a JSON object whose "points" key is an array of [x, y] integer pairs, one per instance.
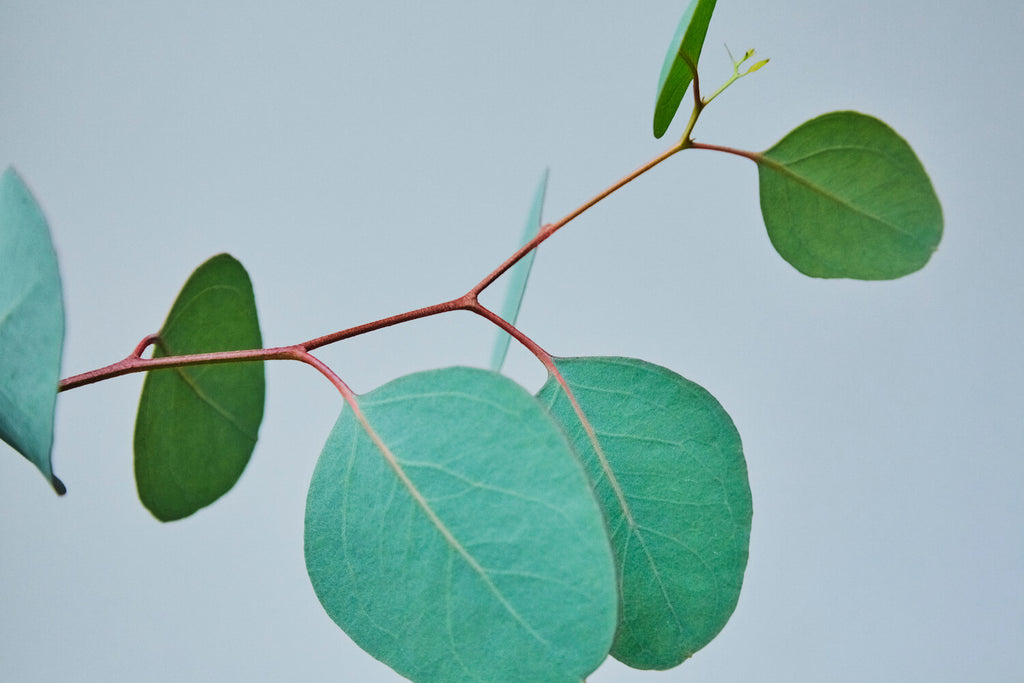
{"points": [[332, 377], [549, 229], [300, 352], [426, 311], [753, 156], [514, 332], [468, 301], [135, 363]]}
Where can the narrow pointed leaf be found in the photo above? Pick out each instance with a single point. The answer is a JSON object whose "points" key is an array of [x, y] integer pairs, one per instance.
{"points": [[518, 276], [676, 73], [452, 534], [844, 195], [668, 468], [31, 326], [197, 426]]}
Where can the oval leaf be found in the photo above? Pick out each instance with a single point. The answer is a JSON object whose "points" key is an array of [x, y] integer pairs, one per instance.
{"points": [[31, 326], [676, 72], [452, 534], [197, 426], [844, 195], [518, 276], [669, 472]]}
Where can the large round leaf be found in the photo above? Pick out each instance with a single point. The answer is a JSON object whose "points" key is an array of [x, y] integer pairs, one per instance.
{"points": [[197, 425], [668, 468], [451, 532], [31, 326], [844, 196]]}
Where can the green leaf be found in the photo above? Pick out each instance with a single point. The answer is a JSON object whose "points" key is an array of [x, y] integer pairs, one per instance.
{"points": [[668, 468], [518, 275], [197, 426], [676, 73], [31, 326], [843, 195], [451, 532]]}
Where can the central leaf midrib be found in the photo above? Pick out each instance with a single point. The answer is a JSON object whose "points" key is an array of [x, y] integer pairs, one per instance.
{"points": [[785, 170], [195, 387], [620, 495], [439, 524]]}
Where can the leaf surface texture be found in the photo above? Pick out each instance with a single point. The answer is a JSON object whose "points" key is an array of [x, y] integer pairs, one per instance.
{"points": [[197, 426], [452, 534], [843, 195], [31, 326], [668, 469]]}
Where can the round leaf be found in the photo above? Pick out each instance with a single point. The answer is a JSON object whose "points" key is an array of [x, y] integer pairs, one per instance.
{"points": [[683, 51], [31, 326], [843, 195], [668, 468], [452, 534], [197, 426]]}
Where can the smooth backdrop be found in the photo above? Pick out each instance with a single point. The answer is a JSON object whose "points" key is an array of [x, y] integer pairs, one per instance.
{"points": [[365, 158]]}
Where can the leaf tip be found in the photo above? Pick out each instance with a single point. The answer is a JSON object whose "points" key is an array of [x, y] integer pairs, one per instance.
{"points": [[58, 485]]}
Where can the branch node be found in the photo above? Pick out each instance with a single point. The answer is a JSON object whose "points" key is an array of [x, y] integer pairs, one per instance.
{"points": [[148, 340]]}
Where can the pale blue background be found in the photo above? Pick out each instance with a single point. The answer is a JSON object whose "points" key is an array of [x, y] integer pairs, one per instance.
{"points": [[362, 159]]}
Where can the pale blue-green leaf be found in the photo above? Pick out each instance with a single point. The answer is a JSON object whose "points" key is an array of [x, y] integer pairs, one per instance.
{"points": [[31, 326], [668, 468], [452, 533], [518, 276]]}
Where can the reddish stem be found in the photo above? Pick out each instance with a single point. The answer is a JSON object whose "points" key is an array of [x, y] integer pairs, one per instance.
{"points": [[436, 309], [145, 344], [698, 101], [300, 352], [513, 331], [551, 228], [310, 359], [135, 363], [753, 156]]}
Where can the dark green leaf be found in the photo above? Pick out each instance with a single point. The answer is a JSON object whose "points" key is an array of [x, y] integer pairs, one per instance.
{"points": [[684, 51], [844, 196], [31, 326], [668, 469], [518, 275], [451, 532], [197, 426]]}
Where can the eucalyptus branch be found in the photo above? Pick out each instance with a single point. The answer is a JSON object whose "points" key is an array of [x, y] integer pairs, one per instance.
{"points": [[497, 502], [468, 301]]}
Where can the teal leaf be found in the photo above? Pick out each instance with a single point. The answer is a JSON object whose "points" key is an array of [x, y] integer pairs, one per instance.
{"points": [[844, 195], [683, 51], [451, 532], [197, 426], [518, 276], [31, 326], [668, 469]]}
